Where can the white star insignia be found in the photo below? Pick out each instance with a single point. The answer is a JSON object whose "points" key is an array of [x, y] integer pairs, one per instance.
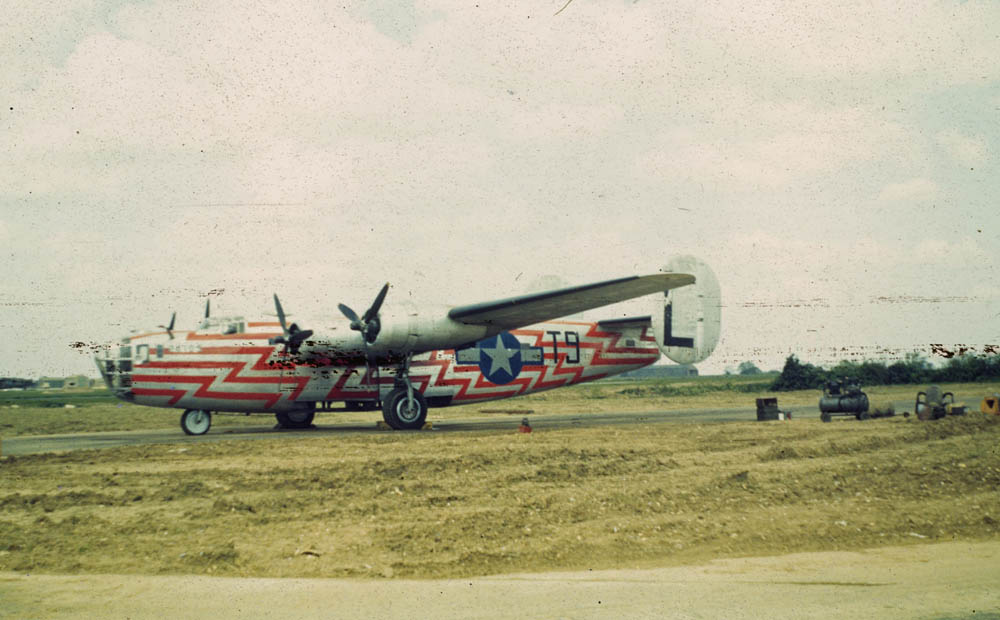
{"points": [[500, 358]]}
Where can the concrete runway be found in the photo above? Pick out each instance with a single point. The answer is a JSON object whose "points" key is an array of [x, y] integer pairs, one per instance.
{"points": [[327, 425], [16, 446]]}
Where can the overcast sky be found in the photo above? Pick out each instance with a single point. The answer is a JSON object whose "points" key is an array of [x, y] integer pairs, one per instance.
{"points": [[836, 163]]}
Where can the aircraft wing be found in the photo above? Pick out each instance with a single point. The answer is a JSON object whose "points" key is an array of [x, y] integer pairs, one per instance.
{"points": [[523, 310]]}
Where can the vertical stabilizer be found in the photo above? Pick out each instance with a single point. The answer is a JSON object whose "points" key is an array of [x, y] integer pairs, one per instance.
{"points": [[687, 320]]}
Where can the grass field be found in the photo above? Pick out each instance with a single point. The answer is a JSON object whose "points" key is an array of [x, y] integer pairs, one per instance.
{"points": [[483, 502], [45, 413]]}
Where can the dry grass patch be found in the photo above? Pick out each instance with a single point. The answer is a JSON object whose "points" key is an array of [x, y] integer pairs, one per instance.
{"points": [[611, 396], [460, 504]]}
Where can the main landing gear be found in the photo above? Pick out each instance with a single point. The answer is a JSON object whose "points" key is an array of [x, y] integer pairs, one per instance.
{"points": [[404, 408], [196, 421], [301, 418]]}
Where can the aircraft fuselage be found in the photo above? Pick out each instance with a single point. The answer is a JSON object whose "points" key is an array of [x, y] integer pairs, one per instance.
{"points": [[231, 366]]}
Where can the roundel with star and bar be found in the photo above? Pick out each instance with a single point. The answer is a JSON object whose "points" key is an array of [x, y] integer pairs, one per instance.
{"points": [[500, 358]]}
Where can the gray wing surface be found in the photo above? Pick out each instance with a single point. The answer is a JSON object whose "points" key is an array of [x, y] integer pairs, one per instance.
{"points": [[523, 310]]}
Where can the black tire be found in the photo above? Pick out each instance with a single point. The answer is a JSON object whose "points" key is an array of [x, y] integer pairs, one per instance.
{"points": [[302, 418], [196, 421], [864, 415], [360, 405], [395, 414], [825, 417]]}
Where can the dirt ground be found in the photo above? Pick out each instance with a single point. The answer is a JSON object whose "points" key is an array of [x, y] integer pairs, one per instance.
{"points": [[371, 513], [944, 581], [446, 505]]}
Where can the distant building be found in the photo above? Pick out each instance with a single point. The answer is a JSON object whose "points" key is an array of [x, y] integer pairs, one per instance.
{"points": [[673, 370], [78, 381], [59, 383]]}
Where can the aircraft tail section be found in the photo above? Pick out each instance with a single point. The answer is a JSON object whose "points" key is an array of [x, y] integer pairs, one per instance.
{"points": [[687, 320]]}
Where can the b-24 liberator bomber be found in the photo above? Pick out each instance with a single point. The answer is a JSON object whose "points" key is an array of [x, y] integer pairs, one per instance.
{"points": [[404, 359]]}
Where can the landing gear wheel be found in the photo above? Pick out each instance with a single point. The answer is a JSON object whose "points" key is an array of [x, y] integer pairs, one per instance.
{"points": [[296, 419], [399, 415], [196, 421], [360, 405], [864, 415]]}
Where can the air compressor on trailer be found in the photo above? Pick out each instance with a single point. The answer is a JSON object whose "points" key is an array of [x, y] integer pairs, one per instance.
{"points": [[846, 398]]}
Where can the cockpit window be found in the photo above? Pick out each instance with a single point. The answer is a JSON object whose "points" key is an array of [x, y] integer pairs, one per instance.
{"points": [[124, 352], [232, 328]]}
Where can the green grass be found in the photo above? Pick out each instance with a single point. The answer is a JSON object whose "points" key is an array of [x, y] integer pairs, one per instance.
{"points": [[56, 398], [707, 385], [35, 412]]}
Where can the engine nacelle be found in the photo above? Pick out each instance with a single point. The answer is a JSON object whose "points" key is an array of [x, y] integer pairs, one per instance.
{"points": [[405, 328], [687, 320]]}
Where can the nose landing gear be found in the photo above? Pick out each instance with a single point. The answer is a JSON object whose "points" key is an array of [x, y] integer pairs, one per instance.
{"points": [[196, 421]]}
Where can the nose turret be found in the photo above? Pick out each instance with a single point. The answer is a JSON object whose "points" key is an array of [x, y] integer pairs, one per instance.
{"points": [[115, 365]]}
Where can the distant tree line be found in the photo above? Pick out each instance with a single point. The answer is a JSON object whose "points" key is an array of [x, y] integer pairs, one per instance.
{"points": [[7, 383], [913, 369]]}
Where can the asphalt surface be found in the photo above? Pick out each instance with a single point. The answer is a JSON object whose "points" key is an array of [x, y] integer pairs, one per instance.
{"points": [[326, 425], [15, 446]]}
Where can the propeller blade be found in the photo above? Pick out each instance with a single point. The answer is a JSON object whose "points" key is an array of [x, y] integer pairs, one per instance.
{"points": [[377, 305], [170, 328], [207, 304], [281, 313], [351, 315], [369, 325], [293, 334]]}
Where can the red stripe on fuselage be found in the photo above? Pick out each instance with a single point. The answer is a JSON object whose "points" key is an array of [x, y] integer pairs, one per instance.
{"points": [[176, 394], [232, 377]]}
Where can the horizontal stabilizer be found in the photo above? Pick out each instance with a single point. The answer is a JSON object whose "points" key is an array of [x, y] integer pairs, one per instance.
{"points": [[630, 321]]}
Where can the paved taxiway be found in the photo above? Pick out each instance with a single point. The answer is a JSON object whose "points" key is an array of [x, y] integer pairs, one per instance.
{"points": [[327, 425]]}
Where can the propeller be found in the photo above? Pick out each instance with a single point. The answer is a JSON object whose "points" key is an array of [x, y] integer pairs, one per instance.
{"points": [[294, 335], [208, 303], [170, 328], [369, 325]]}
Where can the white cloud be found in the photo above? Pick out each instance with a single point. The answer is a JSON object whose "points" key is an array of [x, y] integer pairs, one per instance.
{"points": [[965, 150], [911, 190], [449, 147]]}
